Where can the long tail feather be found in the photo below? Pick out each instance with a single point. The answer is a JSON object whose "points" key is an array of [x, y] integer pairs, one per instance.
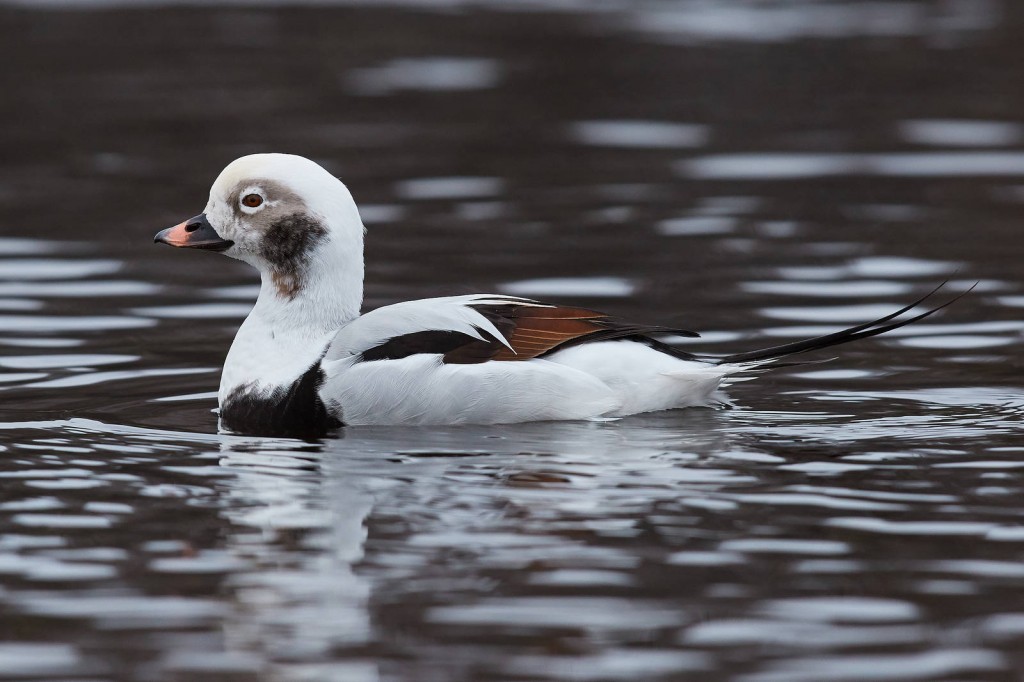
{"points": [[860, 331]]}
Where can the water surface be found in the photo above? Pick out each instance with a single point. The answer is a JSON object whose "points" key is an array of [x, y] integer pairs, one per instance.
{"points": [[756, 173]]}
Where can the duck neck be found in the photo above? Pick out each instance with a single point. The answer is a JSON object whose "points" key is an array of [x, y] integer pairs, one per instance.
{"points": [[327, 296], [288, 330]]}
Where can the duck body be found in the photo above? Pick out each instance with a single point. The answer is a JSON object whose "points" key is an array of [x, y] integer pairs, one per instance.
{"points": [[306, 360], [446, 361]]}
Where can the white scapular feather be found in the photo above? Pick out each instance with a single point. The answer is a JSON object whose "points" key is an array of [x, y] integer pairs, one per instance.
{"points": [[449, 313]]}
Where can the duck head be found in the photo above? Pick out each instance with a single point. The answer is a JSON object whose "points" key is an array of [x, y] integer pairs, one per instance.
{"points": [[287, 217]]}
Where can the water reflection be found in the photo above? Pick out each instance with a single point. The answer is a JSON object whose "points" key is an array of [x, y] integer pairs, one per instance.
{"points": [[448, 188], [703, 21], [429, 73], [952, 133], [805, 165], [325, 550], [639, 134], [603, 287], [299, 530]]}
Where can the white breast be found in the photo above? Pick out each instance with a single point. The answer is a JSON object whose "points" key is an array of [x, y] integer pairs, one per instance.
{"points": [[263, 359]]}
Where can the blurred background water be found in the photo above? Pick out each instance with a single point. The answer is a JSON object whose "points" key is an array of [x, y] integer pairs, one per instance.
{"points": [[757, 171]]}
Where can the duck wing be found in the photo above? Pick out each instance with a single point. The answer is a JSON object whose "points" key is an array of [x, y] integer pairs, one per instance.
{"points": [[469, 359]]}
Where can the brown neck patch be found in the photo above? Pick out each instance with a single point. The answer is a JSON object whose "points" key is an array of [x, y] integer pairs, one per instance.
{"points": [[287, 285]]}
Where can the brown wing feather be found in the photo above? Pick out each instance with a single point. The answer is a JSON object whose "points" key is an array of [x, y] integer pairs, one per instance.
{"points": [[531, 330], [534, 330], [535, 333]]}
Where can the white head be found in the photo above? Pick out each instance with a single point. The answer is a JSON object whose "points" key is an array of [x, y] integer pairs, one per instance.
{"points": [[288, 218]]}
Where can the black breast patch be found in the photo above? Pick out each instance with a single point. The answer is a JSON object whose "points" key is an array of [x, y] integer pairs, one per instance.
{"points": [[295, 411]]}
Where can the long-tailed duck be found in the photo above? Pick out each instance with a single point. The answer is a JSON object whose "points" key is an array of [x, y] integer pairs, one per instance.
{"points": [[306, 360]]}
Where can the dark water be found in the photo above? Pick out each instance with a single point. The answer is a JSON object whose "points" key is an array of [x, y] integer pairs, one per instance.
{"points": [[756, 171]]}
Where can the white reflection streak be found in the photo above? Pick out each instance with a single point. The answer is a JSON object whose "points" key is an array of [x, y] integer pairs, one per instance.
{"points": [[639, 134], [802, 165], [714, 20], [960, 133], [301, 600], [439, 74]]}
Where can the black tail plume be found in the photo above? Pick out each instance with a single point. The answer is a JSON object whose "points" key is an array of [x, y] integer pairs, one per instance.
{"points": [[861, 331]]}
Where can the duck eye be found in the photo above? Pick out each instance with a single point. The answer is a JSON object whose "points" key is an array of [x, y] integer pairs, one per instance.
{"points": [[252, 200]]}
